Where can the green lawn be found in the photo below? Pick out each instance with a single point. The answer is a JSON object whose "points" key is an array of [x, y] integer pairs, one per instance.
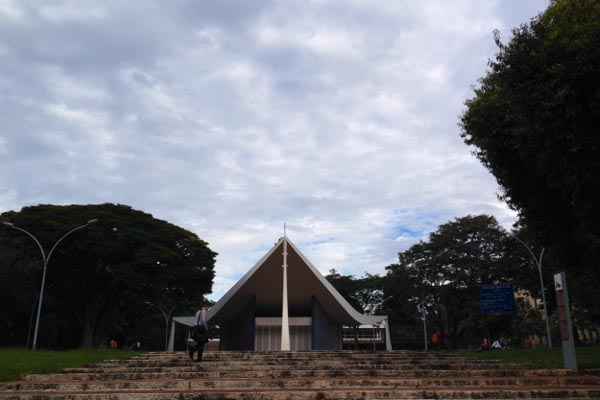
{"points": [[587, 357], [16, 362]]}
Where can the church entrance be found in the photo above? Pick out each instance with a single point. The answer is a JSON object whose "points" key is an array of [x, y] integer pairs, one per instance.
{"points": [[268, 334]]}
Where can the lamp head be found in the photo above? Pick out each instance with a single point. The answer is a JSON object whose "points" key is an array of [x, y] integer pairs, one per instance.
{"points": [[8, 223], [92, 221]]}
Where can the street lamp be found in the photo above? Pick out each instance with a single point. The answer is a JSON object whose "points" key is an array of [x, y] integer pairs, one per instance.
{"points": [[370, 310], [45, 260], [538, 264], [167, 314], [422, 309]]}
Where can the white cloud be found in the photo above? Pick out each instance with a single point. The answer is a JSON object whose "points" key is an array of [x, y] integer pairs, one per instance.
{"points": [[3, 146], [321, 40], [85, 118], [65, 86], [339, 118], [71, 11], [8, 199], [10, 9]]}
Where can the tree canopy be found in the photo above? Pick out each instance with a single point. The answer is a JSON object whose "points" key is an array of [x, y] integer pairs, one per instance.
{"points": [[445, 274], [364, 294], [533, 122], [110, 279]]}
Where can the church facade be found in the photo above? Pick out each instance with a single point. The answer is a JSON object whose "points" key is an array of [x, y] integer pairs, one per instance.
{"points": [[283, 303]]}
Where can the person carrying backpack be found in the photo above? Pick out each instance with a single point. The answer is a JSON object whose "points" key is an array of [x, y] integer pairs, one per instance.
{"points": [[199, 335]]}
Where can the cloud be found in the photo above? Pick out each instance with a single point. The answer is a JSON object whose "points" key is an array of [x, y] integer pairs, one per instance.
{"points": [[231, 117]]}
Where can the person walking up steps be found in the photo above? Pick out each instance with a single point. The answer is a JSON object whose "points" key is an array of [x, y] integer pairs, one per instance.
{"points": [[199, 336]]}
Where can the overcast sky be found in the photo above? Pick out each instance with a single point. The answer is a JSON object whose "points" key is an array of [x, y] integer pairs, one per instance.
{"points": [[231, 117]]}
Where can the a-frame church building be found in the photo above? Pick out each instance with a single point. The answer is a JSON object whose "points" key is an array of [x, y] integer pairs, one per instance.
{"points": [[284, 303]]}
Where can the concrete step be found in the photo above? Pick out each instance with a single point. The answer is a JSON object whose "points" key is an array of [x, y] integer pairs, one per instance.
{"points": [[226, 365], [304, 355], [184, 359], [307, 354], [306, 373], [306, 394], [322, 383], [292, 362], [296, 359], [299, 359], [302, 376], [192, 366]]}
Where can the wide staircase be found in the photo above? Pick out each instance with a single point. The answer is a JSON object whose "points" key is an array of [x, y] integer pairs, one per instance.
{"points": [[305, 375]]}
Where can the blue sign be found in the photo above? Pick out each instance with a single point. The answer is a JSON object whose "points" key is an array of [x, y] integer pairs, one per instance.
{"points": [[497, 299]]}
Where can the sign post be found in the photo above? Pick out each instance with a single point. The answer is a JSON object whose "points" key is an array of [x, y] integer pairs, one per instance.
{"points": [[566, 326], [497, 299], [423, 311]]}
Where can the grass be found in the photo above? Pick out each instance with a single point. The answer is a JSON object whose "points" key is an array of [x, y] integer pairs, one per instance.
{"points": [[587, 357], [17, 362]]}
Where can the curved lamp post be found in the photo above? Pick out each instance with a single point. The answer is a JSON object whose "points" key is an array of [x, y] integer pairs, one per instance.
{"points": [[538, 264], [45, 260], [422, 309]]}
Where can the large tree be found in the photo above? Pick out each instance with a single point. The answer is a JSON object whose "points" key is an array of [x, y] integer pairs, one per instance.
{"points": [[364, 294], [534, 121], [446, 272], [104, 280]]}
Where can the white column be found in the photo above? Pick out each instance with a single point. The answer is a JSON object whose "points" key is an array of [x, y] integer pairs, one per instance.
{"points": [[285, 323], [388, 338], [171, 346]]}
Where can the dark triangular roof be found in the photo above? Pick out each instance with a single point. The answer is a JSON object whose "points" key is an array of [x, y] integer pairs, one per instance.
{"points": [[302, 276]]}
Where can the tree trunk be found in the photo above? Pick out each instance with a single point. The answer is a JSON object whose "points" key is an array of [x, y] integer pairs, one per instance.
{"points": [[87, 338], [167, 326], [31, 322], [92, 315], [445, 324]]}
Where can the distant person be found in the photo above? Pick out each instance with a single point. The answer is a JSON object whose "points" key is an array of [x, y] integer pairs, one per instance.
{"points": [[136, 346], [199, 335], [444, 339], [485, 344], [435, 339], [496, 345]]}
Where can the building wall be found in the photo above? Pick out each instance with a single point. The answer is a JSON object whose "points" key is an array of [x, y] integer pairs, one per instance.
{"points": [[326, 333], [238, 333], [268, 338]]}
